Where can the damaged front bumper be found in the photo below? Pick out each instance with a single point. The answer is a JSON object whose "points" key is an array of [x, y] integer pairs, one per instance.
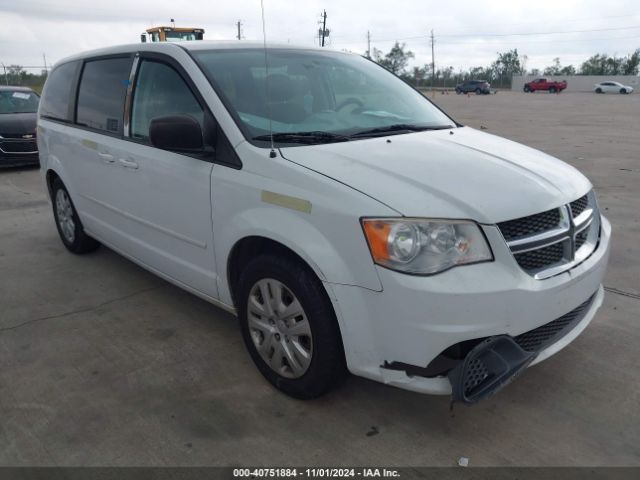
{"points": [[495, 361]]}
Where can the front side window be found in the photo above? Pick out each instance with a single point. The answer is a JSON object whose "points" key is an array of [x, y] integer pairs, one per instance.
{"points": [[308, 91], [160, 91], [103, 88], [18, 101], [57, 92]]}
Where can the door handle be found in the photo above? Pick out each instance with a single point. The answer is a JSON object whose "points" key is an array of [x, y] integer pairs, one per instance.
{"points": [[128, 164], [106, 157]]}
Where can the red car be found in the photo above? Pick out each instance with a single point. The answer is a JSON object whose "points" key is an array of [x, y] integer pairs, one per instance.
{"points": [[544, 84]]}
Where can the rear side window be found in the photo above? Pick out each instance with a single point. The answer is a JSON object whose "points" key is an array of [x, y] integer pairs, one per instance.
{"points": [[160, 91], [57, 92], [103, 88]]}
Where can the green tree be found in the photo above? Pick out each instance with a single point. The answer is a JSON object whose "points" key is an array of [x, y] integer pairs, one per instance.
{"points": [[632, 63], [506, 65], [16, 75], [555, 69], [558, 69], [396, 61]]}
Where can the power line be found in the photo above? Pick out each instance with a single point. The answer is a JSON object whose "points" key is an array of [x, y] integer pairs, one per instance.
{"points": [[540, 33], [479, 35]]}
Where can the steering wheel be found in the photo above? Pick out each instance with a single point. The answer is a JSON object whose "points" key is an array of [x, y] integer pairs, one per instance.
{"points": [[349, 101]]}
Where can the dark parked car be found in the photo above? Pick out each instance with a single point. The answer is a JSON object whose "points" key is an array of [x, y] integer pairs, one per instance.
{"points": [[476, 86], [18, 108]]}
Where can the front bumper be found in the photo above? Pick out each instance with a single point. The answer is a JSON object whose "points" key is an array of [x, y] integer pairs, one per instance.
{"points": [[18, 160], [416, 318], [18, 152]]}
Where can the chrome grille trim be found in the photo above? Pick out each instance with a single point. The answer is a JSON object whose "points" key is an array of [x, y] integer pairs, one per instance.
{"points": [[575, 250]]}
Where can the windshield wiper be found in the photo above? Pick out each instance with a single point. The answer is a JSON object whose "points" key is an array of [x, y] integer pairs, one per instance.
{"points": [[304, 137], [398, 128]]}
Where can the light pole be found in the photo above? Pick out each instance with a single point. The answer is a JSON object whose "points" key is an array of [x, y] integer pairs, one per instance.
{"points": [[6, 79]]}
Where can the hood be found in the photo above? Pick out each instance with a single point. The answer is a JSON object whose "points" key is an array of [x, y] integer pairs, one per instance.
{"points": [[466, 175], [18, 123]]}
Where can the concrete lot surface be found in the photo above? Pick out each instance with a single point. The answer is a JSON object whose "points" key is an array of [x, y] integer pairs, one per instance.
{"points": [[102, 363]]}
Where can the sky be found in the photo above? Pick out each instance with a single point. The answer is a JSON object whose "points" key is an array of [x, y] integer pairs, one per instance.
{"points": [[467, 33]]}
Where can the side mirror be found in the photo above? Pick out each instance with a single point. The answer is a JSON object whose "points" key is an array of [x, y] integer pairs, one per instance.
{"points": [[143, 37], [178, 133]]}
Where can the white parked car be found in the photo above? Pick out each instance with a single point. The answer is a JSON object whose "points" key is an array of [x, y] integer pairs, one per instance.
{"points": [[612, 87], [349, 223]]}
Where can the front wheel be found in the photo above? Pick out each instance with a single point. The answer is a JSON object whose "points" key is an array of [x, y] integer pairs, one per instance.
{"points": [[68, 223], [623, 91], [289, 327], [526, 89], [478, 91], [458, 91], [598, 90]]}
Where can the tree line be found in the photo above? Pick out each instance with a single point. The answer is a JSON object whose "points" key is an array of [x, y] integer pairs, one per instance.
{"points": [[17, 75], [500, 71]]}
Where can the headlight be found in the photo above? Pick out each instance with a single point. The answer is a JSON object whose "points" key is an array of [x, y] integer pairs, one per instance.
{"points": [[425, 246]]}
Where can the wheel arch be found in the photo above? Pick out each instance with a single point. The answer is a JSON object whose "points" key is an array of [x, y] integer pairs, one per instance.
{"points": [[250, 247]]}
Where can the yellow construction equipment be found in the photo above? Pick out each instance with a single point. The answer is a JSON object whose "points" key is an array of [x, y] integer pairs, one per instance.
{"points": [[172, 34]]}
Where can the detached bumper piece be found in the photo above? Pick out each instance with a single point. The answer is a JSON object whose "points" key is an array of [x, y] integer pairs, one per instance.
{"points": [[490, 366]]}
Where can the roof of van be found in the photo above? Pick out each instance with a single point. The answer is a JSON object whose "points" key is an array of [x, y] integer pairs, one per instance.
{"points": [[189, 45]]}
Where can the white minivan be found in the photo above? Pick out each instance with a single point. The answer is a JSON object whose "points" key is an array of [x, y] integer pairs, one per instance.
{"points": [[348, 222]]}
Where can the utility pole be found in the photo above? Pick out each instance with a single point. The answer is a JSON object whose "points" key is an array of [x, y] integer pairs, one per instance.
{"points": [[368, 44], [44, 58], [433, 65], [239, 35], [323, 32]]}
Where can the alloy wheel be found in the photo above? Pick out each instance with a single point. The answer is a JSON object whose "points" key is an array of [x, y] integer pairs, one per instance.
{"points": [[64, 212]]}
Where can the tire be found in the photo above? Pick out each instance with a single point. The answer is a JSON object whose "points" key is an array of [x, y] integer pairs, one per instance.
{"points": [[623, 91], [598, 90], [527, 89], [308, 361], [552, 90], [478, 91], [458, 91], [67, 221]]}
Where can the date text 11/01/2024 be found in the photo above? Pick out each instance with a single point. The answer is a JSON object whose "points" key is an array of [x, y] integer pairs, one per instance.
{"points": [[315, 472]]}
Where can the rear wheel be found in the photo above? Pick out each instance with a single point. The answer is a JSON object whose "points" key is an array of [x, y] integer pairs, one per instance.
{"points": [[68, 223], [289, 327], [526, 89], [552, 90], [458, 91]]}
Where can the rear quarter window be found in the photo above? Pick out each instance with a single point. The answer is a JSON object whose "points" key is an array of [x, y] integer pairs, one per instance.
{"points": [[57, 94], [102, 92]]}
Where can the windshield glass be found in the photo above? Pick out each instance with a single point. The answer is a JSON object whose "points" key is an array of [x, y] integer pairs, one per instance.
{"points": [[182, 36], [315, 93], [15, 101]]}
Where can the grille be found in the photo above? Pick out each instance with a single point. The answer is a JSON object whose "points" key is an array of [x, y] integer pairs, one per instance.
{"points": [[543, 257], [476, 374], [27, 146], [525, 226], [538, 338], [582, 237], [578, 206], [545, 244], [16, 135]]}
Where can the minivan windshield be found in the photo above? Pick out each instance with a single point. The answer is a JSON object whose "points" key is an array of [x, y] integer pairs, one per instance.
{"points": [[315, 97], [18, 101]]}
